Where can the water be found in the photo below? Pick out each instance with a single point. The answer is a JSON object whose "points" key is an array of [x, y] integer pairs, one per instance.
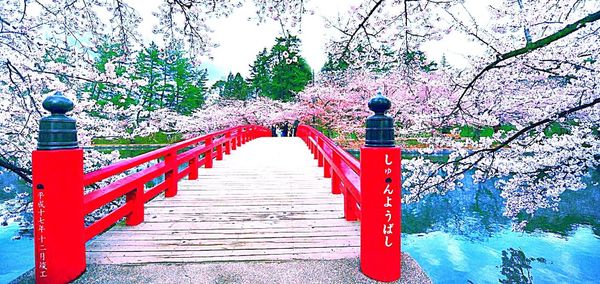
{"points": [[448, 258], [461, 237], [10, 185], [16, 256]]}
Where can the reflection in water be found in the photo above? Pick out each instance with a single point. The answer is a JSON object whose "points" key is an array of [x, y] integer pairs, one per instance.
{"points": [[516, 267], [475, 212], [462, 236]]}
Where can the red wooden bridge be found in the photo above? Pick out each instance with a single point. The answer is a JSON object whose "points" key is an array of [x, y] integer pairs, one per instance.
{"points": [[233, 195]]}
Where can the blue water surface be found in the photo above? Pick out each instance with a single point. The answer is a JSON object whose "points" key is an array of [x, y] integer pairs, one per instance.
{"points": [[460, 237], [449, 258], [16, 256]]}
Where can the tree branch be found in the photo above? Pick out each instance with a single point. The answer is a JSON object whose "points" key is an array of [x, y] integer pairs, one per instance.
{"points": [[361, 25], [25, 174], [506, 142], [569, 29]]}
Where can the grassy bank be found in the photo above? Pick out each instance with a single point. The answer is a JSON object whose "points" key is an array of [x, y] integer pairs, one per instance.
{"points": [[155, 138]]}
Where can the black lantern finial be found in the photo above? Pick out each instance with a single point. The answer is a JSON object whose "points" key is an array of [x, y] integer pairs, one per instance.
{"points": [[380, 127], [57, 131]]}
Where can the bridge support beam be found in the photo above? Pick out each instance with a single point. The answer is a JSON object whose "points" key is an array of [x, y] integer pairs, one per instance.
{"points": [[208, 156], [58, 196], [320, 156], [350, 210], [326, 169], [228, 143], [220, 152], [234, 143], [136, 199], [380, 229], [335, 178], [193, 164], [171, 174], [315, 150]]}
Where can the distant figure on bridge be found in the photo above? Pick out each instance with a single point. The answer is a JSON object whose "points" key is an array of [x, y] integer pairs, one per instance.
{"points": [[295, 128], [284, 132], [273, 131]]}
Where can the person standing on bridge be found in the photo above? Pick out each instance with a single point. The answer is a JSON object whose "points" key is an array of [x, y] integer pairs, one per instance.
{"points": [[295, 128], [284, 132]]}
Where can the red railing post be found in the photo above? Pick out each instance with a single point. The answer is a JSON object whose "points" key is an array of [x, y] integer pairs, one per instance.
{"points": [[320, 150], [193, 165], [326, 165], [380, 229], [171, 173], [335, 178], [249, 134], [228, 143], [350, 209], [305, 137], [208, 155], [315, 150], [58, 218], [240, 135], [135, 197], [220, 152]]}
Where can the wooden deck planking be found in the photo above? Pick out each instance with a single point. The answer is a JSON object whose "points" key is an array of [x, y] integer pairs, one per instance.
{"points": [[268, 200]]}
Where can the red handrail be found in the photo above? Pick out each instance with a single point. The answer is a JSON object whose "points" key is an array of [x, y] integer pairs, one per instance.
{"points": [[343, 168], [171, 158]]}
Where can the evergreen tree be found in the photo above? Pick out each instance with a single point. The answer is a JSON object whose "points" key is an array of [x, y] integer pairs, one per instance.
{"points": [[170, 79], [290, 72], [150, 67], [333, 64], [444, 61], [106, 93], [235, 87], [260, 75], [282, 72]]}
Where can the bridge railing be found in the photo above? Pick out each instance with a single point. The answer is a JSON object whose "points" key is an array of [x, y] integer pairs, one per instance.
{"points": [[339, 165], [371, 188], [190, 154], [60, 204]]}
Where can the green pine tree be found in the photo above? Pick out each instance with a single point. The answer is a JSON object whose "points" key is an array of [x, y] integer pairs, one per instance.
{"points": [[234, 87], [281, 73], [150, 67], [260, 75]]}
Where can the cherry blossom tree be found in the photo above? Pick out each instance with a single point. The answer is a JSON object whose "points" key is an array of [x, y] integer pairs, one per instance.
{"points": [[539, 70]]}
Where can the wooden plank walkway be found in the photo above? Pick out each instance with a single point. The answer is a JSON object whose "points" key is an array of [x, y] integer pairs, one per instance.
{"points": [[268, 200]]}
